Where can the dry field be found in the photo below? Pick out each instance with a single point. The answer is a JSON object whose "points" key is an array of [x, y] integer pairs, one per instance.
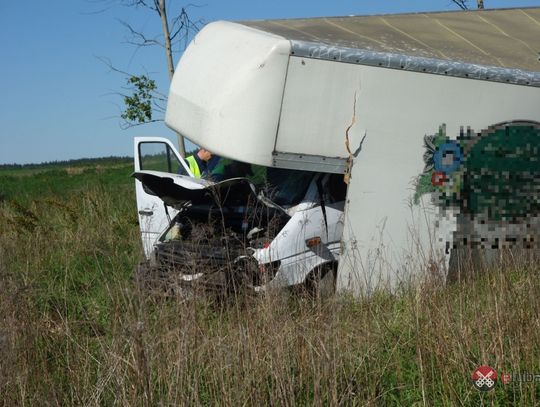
{"points": [[75, 330]]}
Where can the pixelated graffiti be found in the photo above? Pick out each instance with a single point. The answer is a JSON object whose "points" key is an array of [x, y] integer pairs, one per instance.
{"points": [[490, 180]]}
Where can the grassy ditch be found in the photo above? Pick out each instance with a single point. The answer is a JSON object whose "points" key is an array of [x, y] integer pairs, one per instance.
{"points": [[74, 329]]}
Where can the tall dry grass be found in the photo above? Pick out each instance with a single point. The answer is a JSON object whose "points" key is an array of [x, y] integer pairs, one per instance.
{"points": [[75, 330]]}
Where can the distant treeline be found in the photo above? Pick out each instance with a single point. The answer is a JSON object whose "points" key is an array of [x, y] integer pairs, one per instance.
{"points": [[79, 162]]}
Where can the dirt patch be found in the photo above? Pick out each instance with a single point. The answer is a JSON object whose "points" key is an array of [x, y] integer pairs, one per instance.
{"points": [[74, 170]]}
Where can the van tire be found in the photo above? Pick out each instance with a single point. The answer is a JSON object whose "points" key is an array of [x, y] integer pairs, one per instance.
{"points": [[321, 282]]}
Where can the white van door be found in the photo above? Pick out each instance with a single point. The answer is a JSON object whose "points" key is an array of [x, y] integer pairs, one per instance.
{"points": [[155, 154]]}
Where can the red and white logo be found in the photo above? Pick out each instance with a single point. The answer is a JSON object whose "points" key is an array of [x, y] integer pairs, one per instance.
{"points": [[506, 378], [484, 378]]}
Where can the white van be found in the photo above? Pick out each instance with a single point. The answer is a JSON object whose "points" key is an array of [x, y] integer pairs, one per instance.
{"points": [[283, 232], [432, 118]]}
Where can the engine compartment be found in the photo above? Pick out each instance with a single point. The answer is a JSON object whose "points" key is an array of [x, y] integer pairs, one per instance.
{"points": [[218, 228]]}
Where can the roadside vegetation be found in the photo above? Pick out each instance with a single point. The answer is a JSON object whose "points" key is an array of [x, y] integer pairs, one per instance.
{"points": [[75, 330]]}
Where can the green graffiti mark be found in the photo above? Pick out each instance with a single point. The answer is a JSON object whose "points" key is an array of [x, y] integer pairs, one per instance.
{"points": [[494, 173], [502, 172]]}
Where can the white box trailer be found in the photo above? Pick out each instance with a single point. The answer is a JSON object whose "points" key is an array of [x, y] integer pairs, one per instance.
{"points": [[435, 115]]}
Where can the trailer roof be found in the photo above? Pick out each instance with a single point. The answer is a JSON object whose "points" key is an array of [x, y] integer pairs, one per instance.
{"points": [[508, 39]]}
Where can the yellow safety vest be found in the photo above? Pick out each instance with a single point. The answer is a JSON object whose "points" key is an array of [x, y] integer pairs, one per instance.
{"points": [[193, 166]]}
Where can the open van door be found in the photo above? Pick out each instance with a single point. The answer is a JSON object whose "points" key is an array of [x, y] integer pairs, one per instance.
{"points": [[155, 154]]}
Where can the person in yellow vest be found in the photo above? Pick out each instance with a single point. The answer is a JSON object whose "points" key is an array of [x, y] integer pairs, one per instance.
{"points": [[198, 163]]}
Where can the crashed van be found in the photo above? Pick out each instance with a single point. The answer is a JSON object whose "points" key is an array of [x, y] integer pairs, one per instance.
{"points": [[284, 231], [395, 142]]}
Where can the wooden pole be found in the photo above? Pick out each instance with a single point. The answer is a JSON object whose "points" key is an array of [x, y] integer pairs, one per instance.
{"points": [[170, 63]]}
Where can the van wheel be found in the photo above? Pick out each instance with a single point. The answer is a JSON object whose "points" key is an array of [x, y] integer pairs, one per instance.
{"points": [[322, 281]]}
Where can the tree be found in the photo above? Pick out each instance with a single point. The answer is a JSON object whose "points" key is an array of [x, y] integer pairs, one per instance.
{"points": [[143, 99], [139, 105], [463, 4]]}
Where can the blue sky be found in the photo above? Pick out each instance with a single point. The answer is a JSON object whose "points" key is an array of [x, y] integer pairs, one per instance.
{"points": [[60, 102]]}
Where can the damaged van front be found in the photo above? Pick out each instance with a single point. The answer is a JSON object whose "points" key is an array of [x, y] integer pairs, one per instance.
{"points": [[235, 234]]}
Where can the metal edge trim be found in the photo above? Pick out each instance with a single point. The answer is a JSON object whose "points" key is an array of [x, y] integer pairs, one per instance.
{"points": [[404, 62], [309, 162]]}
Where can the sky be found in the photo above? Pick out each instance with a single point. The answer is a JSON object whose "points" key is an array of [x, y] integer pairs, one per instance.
{"points": [[60, 101]]}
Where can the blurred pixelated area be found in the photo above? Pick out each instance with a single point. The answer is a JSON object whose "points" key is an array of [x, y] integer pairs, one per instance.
{"points": [[490, 181]]}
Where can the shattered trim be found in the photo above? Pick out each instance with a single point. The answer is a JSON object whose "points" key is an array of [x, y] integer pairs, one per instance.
{"points": [[316, 50]]}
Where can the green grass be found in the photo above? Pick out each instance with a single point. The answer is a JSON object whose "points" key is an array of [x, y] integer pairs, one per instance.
{"points": [[25, 184], [74, 329]]}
